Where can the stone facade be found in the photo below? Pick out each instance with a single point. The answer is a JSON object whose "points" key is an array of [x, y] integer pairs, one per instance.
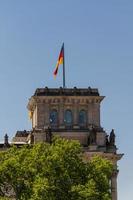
{"points": [[73, 114], [46, 100]]}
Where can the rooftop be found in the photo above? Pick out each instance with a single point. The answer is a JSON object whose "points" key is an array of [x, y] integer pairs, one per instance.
{"points": [[66, 91]]}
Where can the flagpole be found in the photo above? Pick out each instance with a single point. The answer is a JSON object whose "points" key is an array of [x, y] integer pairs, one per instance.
{"points": [[64, 85]]}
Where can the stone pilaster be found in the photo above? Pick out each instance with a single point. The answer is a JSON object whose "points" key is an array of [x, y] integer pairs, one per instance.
{"points": [[90, 117], [61, 114], [114, 185], [46, 114], [96, 114], [75, 114], [101, 138]]}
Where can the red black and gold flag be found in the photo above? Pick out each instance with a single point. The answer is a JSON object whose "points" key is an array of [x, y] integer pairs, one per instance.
{"points": [[60, 60]]}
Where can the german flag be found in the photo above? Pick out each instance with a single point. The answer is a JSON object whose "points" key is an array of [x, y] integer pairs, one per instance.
{"points": [[60, 60]]}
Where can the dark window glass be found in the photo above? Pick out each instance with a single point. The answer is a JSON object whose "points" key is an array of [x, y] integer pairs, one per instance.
{"points": [[68, 117], [53, 117], [82, 117]]}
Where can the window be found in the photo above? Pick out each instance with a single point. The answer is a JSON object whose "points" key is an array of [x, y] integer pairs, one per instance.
{"points": [[82, 118], [68, 117], [53, 117]]}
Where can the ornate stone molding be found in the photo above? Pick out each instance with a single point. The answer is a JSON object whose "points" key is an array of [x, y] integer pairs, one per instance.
{"points": [[111, 156]]}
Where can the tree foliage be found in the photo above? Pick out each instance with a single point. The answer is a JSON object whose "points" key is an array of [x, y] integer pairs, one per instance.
{"points": [[53, 172]]}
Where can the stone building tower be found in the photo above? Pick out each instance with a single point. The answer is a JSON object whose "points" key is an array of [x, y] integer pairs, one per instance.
{"points": [[73, 113]]}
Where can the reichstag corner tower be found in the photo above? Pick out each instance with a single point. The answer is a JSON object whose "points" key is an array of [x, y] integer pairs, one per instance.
{"points": [[71, 113]]}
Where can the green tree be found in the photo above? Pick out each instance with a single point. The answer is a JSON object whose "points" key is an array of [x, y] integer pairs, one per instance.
{"points": [[53, 172]]}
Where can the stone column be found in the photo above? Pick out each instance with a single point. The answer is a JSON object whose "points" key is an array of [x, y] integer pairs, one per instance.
{"points": [[114, 185]]}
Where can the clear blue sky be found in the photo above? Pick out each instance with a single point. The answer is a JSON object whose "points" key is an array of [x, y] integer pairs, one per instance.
{"points": [[98, 37]]}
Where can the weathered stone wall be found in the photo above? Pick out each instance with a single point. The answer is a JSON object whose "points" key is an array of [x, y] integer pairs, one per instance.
{"points": [[43, 105]]}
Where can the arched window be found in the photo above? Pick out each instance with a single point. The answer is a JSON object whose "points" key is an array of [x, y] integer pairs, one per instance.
{"points": [[82, 118], [53, 117], [68, 117]]}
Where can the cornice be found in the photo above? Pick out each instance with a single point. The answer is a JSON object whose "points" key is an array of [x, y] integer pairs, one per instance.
{"points": [[34, 100], [111, 156]]}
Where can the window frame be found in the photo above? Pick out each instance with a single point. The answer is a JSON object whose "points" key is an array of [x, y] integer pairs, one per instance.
{"points": [[84, 123], [65, 118], [56, 120]]}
